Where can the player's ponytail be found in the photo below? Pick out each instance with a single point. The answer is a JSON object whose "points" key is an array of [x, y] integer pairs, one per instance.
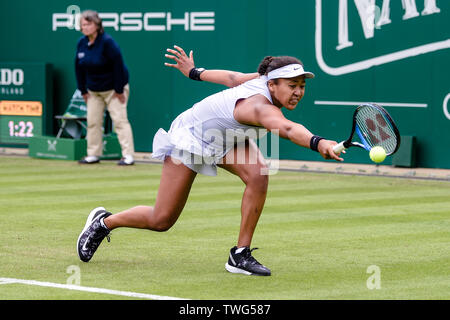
{"points": [[262, 68]]}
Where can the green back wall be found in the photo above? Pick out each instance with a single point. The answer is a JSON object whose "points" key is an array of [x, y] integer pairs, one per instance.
{"points": [[404, 64]]}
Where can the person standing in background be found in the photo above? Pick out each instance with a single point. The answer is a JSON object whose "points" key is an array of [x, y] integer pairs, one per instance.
{"points": [[102, 77]]}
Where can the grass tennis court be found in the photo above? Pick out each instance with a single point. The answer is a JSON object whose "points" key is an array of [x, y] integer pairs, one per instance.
{"points": [[319, 233]]}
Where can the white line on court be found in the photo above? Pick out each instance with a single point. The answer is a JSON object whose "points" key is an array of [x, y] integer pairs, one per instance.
{"points": [[86, 289], [383, 104]]}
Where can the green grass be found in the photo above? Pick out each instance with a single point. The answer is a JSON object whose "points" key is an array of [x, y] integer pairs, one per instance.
{"points": [[318, 233]]}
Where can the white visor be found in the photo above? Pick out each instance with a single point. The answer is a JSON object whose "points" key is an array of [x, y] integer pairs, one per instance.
{"points": [[289, 71]]}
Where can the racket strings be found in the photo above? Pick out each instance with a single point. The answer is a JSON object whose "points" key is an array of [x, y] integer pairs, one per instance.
{"points": [[376, 129]]}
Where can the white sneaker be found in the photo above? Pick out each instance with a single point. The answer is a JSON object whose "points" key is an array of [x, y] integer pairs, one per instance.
{"points": [[89, 160], [127, 160]]}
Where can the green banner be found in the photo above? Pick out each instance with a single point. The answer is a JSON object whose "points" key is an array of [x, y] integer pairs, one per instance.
{"points": [[395, 53]]}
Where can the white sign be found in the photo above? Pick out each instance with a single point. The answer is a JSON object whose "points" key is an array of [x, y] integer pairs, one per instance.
{"points": [[140, 21], [372, 17], [11, 77]]}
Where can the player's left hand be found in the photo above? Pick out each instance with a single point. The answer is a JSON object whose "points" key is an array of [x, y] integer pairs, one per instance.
{"points": [[325, 149], [184, 63]]}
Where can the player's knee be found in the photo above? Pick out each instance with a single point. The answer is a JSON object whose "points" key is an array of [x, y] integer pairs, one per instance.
{"points": [[162, 224], [258, 179], [162, 227]]}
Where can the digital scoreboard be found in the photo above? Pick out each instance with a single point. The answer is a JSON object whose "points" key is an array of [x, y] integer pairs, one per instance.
{"points": [[26, 108]]}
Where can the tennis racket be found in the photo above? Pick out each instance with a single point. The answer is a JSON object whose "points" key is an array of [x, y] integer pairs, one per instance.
{"points": [[374, 127]]}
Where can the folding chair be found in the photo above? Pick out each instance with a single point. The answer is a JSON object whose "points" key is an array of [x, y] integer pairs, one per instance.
{"points": [[73, 121]]}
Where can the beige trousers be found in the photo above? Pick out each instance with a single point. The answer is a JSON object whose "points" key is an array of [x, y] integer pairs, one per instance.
{"points": [[96, 104]]}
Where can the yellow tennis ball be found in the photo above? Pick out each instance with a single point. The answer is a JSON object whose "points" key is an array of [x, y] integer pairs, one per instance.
{"points": [[377, 154]]}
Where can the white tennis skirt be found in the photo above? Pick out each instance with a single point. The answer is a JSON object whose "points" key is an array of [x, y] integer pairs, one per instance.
{"points": [[181, 145]]}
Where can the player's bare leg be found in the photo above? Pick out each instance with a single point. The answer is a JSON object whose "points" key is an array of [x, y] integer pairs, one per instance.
{"points": [[176, 182], [247, 162], [174, 188]]}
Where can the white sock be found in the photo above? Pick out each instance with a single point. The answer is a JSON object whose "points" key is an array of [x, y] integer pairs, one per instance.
{"points": [[103, 223], [239, 250]]}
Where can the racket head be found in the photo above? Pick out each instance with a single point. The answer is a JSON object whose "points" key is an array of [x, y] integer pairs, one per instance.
{"points": [[375, 127]]}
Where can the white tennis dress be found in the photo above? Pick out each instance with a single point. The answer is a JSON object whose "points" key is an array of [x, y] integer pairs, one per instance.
{"points": [[202, 135]]}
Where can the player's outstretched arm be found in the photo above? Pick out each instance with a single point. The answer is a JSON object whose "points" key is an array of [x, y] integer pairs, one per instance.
{"points": [[227, 78], [260, 112], [185, 64]]}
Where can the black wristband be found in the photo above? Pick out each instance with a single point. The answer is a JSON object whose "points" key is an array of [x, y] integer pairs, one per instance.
{"points": [[314, 142], [194, 74]]}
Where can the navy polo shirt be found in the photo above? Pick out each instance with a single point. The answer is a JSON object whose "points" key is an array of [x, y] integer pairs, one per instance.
{"points": [[100, 66]]}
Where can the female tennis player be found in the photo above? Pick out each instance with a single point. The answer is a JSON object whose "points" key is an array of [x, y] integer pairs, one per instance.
{"points": [[199, 141]]}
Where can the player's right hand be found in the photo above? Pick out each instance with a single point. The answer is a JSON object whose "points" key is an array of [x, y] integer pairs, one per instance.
{"points": [[325, 149]]}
